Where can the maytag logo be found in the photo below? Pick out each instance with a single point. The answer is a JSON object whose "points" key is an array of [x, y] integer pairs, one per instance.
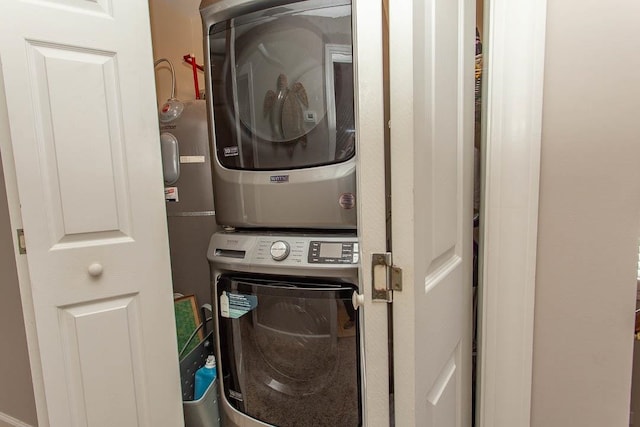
{"points": [[279, 178]]}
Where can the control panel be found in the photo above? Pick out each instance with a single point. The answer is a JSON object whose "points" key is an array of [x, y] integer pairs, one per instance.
{"points": [[313, 250], [321, 252]]}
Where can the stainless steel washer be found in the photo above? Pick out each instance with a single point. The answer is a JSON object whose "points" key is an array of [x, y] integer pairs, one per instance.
{"points": [[288, 335]]}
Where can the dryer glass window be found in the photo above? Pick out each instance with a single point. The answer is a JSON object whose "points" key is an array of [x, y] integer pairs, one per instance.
{"points": [[290, 351], [282, 82]]}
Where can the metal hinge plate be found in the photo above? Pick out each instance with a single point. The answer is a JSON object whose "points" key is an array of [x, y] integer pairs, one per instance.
{"points": [[386, 277], [22, 245]]}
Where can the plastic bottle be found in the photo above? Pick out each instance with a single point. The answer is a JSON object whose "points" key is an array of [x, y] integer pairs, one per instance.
{"points": [[224, 304], [204, 377]]}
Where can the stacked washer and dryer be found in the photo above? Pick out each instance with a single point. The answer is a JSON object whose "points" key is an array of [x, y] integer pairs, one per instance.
{"points": [[284, 272]]}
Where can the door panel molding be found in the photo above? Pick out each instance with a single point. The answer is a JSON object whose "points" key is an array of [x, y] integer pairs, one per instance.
{"points": [[78, 324], [512, 121], [80, 134]]}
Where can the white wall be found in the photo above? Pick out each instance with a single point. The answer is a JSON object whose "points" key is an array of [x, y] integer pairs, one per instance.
{"points": [[176, 30], [589, 215]]}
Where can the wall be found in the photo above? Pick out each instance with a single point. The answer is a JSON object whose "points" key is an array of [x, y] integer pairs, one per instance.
{"points": [[589, 215], [16, 390], [176, 30]]}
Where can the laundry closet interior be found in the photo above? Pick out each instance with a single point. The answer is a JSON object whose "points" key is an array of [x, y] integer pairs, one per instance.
{"points": [[278, 237], [261, 205], [262, 216]]}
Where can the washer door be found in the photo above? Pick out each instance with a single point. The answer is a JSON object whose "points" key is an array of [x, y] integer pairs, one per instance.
{"points": [[289, 350]]}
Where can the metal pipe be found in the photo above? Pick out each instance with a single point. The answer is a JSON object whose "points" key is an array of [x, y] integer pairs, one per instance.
{"points": [[173, 75], [191, 60]]}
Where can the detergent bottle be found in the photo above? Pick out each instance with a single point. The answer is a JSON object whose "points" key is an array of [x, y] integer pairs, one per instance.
{"points": [[205, 376]]}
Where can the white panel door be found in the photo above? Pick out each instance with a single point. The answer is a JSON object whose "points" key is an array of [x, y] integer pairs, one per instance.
{"points": [[372, 232], [79, 84], [431, 109]]}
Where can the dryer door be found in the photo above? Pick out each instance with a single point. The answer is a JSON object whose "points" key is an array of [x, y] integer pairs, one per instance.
{"points": [[282, 87], [289, 350]]}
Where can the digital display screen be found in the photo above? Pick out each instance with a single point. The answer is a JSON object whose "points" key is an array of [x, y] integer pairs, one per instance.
{"points": [[330, 250]]}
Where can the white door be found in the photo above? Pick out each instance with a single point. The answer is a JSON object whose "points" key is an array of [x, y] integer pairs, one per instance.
{"points": [[369, 118], [431, 109], [431, 86], [80, 97]]}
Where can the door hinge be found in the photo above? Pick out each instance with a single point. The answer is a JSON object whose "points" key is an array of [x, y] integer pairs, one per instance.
{"points": [[22, 246], [386, 277]]}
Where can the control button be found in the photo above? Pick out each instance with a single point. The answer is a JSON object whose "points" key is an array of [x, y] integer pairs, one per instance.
{"points": [[279, 250], [356, 258]]}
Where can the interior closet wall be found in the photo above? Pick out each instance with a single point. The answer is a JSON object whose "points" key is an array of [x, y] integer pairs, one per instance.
{"points": [[176, 30], [16, 389], [589, 215]]}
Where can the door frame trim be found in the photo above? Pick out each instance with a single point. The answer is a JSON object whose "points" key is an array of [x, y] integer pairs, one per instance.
{"points": [[512, 127]]}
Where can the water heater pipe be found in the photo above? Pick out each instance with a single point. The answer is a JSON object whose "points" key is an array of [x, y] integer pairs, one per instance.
{"points": [[191, 60], [173, 75]]}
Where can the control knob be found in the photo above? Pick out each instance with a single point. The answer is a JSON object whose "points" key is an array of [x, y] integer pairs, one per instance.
{"points": [[279, 250]]}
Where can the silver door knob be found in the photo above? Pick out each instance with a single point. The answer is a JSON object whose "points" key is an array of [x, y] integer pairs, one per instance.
{"points": [[95, 269]]}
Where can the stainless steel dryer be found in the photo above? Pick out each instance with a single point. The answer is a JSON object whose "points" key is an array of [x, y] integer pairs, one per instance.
{"points": [[288, 336], [280, 94]]}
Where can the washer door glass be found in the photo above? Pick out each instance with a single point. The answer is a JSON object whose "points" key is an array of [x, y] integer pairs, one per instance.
{"points": [[289, 351]]}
